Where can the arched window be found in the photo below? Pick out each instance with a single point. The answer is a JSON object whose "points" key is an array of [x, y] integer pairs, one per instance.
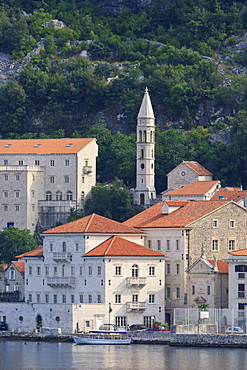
{"points": [[142, 199], [82, 198], [151, 136], [69, 195], [59, 195], [140, 136], [63, 271], [152, 153], [135, 271], [142, 153], [48, 195], [64, 247], [145, 136]]}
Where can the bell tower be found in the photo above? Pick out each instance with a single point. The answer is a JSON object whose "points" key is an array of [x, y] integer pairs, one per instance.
{"points": [[145, 191]]}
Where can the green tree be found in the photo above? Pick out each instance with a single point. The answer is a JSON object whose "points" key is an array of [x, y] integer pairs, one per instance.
{"points": [[14, 242]]}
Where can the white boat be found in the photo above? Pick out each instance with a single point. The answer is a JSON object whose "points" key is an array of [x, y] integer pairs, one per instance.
{"points": [[102, 338]]}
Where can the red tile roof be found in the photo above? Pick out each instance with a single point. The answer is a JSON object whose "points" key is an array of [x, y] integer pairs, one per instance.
{"points": [[116, 246], [93, 224], [240, 252], [38, 252], [222, 266], [198, 168], [224, 194], [191, 211], [195, 188], [43, 146], [20, 266]]}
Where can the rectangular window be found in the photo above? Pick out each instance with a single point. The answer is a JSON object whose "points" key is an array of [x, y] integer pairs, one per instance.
{"points": [[5, 162], [66, 162], [6, 177], [99, 270], [38, 271], [168, 268], [168, 292], [36, 162], [151, 298], [30, 298], [55, 270], [6, 194], [241, 275], [52, 163], [149, 244], [21, 163], [231, 245], [72, 298], [118, 270], [66, 179], [120, 321], [177, 245], [158, 245], [46, 270], [90, 270], [215, 245], [232, 224], [17, 208], [81, 270], [5, 207], [77, 247], [64, 298], [193, 289], [55, 298], [208, 289], [72, 270], [168, 245], [17, 194], [98, 298], [215, 224], [177, 292], [30, 270], [17, 177], [38, 298], [117, 298], [241, 306], [52, 179], [151, 270], [90, 298], [81, 298], [51, 247], [241, 290], [12, 275], [134, 297], [47, 298], [177, 268]]}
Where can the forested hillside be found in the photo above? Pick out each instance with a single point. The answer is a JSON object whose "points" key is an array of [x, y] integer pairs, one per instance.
{"points": [[87, 73]]}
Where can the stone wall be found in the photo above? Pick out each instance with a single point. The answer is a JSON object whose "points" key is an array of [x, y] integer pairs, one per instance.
{"points": [[208, 340]]}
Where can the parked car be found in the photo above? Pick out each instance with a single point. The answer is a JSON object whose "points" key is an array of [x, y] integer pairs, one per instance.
{"points": [[3, 325], [157, 328], [234, 330], [137, 327]]}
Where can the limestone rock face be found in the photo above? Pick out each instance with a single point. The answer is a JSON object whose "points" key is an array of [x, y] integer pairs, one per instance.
{"points": [[115, 7]]}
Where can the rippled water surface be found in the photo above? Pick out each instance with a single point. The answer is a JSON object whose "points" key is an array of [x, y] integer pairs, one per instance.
{"points": [[18, 355]]}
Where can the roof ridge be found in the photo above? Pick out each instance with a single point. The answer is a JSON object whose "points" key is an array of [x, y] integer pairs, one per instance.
{"points": [[111, 242], [89, 222]]}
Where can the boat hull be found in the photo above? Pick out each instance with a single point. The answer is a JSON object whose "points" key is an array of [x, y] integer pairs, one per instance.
{"points": [[115, 341]]}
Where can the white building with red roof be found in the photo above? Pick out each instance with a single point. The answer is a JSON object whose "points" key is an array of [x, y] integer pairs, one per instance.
{"points": [[89, 272], [42, 179]]}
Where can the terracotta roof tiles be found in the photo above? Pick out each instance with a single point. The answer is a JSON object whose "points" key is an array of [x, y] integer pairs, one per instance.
{"points": [[240, 252], [224, 194], [38, 252], [116, 246], [222, 266], [198, 168], [93, 224], [20, 266], [195, 188]]}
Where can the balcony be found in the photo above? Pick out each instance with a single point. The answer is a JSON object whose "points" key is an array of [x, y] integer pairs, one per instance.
{"points": [[136, 306], [87, 169], [62, 256], [56, 281], [135, 281]]}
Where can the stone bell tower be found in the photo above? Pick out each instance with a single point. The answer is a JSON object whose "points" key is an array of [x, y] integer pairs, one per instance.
{"points": [[145, 192]]}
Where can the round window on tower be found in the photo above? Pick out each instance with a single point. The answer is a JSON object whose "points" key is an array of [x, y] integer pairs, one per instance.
{"points": [[183, 173], [142, 166]]}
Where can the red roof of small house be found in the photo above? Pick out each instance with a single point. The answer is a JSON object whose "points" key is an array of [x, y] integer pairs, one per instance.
{"points": [[195, 188], [38, 252], [43, 146], [198, 168], [240, 252], [93, 224], [20, 266], [116, 246], [235, 195], [190, 211], [222, 266]]}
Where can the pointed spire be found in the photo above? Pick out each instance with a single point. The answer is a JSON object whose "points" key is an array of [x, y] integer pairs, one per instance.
{"points": [[146, 110]]}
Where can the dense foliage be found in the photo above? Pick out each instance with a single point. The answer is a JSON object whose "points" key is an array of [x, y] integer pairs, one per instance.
{"points": [[171, 48]]}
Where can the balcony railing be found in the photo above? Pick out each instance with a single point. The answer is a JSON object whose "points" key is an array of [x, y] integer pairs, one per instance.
{"points": [[61, 281], [136, 306], [62, 256], [87, 169], [135, 281], [22, 168]]}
